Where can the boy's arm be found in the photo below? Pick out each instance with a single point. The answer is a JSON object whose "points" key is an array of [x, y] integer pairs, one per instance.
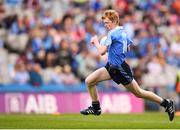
{"points": [[101, 48]]}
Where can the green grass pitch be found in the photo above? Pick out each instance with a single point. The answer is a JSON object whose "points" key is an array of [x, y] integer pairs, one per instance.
{"points": [[77, 121]]}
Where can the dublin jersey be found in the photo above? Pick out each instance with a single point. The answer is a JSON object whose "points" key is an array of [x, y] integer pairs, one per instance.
{"points": [[117, 42]]}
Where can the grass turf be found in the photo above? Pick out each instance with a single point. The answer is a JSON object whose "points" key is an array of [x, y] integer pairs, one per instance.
{"points": [[77, 121]]}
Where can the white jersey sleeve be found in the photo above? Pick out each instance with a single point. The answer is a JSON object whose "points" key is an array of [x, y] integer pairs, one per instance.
{"points": [[106, 40]]}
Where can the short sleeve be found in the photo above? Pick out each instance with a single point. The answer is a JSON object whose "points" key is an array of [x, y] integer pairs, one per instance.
{"points": [[106, 40], [129, 41]]}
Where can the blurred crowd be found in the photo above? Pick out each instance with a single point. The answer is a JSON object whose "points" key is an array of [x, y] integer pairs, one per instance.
{"points": [[47, 41]]}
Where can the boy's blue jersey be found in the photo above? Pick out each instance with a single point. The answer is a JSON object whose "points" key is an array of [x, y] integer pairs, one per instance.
{"points": [[117, 42]]}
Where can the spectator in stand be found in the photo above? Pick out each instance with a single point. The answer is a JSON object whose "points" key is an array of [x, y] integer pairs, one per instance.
{"points": [[64, 54], [50, 59], [68, 78], [35, 74], [56, 75], [21, 75], [40, 58]]}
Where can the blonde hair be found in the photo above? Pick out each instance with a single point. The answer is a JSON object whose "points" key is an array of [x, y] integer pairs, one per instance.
{"points": [[111, 15]]}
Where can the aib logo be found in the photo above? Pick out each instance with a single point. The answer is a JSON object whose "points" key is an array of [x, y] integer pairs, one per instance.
{"points": [[14, 103]]}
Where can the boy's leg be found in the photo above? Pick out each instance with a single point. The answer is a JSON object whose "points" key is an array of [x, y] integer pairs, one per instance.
{"points": [[99, 75], [166, 103], [139, 92], [91, 81]]}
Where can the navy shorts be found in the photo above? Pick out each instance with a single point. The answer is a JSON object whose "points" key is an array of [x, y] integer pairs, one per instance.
{"points": [[120, 74]]}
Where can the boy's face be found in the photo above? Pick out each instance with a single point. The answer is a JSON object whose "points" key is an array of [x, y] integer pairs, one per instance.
{"points": [[108, 24]]}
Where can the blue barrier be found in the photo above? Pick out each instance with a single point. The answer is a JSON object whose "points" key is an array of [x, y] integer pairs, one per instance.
{"points": [[43, 88]]}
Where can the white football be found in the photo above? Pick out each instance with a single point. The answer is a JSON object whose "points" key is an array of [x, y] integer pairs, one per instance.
{"points": [[103, 39]]}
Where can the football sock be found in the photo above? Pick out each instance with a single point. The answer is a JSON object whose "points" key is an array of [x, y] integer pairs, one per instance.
{"points": [[96, 105], [164, 103]]}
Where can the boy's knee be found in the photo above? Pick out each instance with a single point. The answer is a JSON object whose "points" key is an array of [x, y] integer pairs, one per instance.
{"points": [[138, 94], [89, 82]]}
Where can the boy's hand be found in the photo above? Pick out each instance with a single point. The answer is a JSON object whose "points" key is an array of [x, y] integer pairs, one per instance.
{"points": [[94, 39]]}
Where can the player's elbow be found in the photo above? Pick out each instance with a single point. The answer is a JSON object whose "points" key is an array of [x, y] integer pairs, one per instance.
{"points": [[102, 52]]}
